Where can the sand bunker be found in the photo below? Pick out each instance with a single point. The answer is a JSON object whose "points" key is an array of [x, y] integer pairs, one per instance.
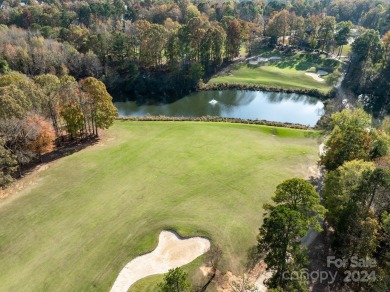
{"points": [[315, 76], [171, 252]]}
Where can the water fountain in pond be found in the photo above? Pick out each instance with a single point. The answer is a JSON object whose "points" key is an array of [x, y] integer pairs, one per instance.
{"points": [[213, 101]]}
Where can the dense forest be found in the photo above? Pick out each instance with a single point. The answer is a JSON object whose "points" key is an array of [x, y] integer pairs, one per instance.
{"points": [[368, 74], [161, 49]]}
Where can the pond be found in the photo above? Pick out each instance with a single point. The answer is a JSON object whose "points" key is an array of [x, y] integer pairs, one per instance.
{"points": [[271, 106]]}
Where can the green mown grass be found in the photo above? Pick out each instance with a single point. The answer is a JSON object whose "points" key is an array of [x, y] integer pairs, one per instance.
{"points": [[288, 73], [272, 76], [150, 283], [90, 213]]}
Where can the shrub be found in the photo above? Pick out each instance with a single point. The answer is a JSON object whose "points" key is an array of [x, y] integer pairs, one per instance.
{"points": [[333, 77]]}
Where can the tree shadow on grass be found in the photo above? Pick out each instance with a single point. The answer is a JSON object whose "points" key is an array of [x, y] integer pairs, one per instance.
{"points": [[312, 134], [298, 64], [304, 62], [286, 64], [67, 148], [305, 65]]}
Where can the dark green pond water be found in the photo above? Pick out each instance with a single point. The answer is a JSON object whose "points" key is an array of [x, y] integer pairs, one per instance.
{"points": [[271, 106]]}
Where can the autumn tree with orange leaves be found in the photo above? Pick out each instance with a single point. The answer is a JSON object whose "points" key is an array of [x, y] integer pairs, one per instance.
{"points": [[41, 135]]}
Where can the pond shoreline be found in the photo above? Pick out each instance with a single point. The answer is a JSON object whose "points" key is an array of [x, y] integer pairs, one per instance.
{"points": [[233, 86], [252, 87], [215, 119]]}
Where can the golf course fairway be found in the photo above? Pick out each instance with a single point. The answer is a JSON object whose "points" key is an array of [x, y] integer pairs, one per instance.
{"points": [[85, 216], [288, 78]]}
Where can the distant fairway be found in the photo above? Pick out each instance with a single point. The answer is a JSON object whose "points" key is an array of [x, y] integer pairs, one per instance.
{"points": [[90, 213], [287, 73], [272, 76]]}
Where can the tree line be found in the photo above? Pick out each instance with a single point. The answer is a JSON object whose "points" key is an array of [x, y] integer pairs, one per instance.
{"points": [[57, 14], [36, 113], [368, 74], [314, 31], [355, 209], [163, 48], [356, 193], [28, 52]]}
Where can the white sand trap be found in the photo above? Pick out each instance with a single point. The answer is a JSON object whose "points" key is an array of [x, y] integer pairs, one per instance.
{"points": [[315, 76], [171, 252]]}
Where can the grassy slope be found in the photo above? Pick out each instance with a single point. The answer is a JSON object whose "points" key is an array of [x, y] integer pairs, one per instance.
{"points": [[346, 50], [287, 73], [272, 76], [92, 212]]}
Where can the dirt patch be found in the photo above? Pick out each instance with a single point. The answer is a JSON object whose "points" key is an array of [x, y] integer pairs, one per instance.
{"points": [[25, 181], [260, 281], [224, 282], [206, 270], [171, 252]]}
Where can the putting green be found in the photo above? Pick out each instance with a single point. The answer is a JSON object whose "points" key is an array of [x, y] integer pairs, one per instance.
{"points": [[90, 213]]}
